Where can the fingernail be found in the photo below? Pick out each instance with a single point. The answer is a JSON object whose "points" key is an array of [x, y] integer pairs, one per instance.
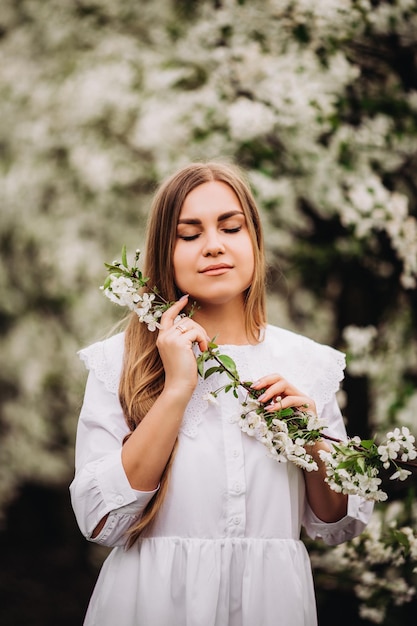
{"points": [[261, 398], [184, 296], [253, 385]]}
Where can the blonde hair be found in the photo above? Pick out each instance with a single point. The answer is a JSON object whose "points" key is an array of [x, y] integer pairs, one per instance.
{"points": [[142, 376]]}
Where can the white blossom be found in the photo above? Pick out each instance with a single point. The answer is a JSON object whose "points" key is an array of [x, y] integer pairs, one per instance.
{"points": [[122, 291], [400, 474], [211, 398]]}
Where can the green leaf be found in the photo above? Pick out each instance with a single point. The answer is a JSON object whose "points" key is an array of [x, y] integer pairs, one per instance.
{"points": [[200, 366], [344, 450], [212, 344], [113, 268], [346, 464], [124, 256], [361, 464], [229, 364], [210, 371], [367, 443], [227, 361], [205, 356]]}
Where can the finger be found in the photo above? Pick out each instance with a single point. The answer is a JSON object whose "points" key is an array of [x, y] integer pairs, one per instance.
{"points": [[277, 389], [191, 333], [202, 340], [296, 402], [167, 319], [266, 381], [181, 325], [271, 379]]}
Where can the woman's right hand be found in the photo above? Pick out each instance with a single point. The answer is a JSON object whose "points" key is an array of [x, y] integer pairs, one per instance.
{"points": [[175, 341]]}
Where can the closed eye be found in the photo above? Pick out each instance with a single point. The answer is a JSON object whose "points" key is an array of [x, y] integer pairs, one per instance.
{"points": [[228, 231], [189, 237], [232, 230]]}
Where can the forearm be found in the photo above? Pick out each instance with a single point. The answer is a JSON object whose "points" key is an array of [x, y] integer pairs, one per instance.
{"points": [[327, 505], [146, 452]]}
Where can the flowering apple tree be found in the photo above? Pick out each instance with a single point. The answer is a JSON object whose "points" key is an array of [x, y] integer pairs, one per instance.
{"points": [[316, 100]]}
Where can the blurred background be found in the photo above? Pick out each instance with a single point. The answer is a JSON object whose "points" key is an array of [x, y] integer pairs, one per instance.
{"points": [[99, 100]]}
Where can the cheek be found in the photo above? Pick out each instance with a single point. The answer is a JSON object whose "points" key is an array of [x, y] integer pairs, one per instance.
{"points": [[249, 259], [250, 273], [177, 255], [180, 264]]}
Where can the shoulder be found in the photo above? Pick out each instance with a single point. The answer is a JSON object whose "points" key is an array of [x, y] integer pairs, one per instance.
{"points": [[105, 359], [283, 339], [314, 367]]}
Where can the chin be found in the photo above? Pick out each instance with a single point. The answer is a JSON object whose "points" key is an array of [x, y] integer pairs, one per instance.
{"points": [[218, 299]]}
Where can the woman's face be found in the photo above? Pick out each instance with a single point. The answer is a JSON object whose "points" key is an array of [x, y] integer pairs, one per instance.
{"points": [[213, 255]]}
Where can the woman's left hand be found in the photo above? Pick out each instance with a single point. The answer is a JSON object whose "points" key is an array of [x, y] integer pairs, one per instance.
{"points": [[277, 394], [280, 394]]}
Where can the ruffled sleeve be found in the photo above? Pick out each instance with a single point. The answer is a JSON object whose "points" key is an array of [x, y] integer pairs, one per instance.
{"points": [[100, 486], [318, 370], [355, 521], [359, 510]]}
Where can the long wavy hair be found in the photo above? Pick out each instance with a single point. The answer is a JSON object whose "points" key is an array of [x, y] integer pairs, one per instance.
{"points": [[142, 378]]}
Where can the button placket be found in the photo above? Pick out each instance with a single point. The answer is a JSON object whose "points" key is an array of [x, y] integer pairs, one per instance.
{"points": [[235, 470]]}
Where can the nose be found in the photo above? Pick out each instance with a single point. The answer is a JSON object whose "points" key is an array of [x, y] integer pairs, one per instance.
{"points": [[213, 245]]}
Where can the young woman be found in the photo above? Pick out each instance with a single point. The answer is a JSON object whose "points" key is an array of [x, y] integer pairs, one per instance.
{"points": [[205, 526]]}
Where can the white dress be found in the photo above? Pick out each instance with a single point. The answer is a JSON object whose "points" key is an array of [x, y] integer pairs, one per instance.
{"points": [[225, 549]]}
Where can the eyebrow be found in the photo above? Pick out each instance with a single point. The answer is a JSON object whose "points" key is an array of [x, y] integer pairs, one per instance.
{"points": [[221, 218]]}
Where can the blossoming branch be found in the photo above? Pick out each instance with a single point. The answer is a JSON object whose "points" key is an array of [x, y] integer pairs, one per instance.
{"points": [[125, 286], [352, 467]]}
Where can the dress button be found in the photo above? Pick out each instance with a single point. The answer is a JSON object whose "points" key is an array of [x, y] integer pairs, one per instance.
{"points": [[237, 487], [119, 499], [236, 520], [235, 453]]}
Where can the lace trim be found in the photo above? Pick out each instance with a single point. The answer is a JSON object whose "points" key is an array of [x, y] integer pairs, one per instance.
{"points": [[314, 368], [105, 359], [196, 408]]}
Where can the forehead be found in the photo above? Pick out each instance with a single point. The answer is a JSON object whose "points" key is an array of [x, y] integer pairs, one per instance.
{"points": [[209, 198]]}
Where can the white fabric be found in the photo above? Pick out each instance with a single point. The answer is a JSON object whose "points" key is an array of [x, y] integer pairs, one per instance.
{"points": [[225, 549]]}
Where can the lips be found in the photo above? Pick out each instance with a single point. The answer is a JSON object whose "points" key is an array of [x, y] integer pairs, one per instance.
{"points": [[219, 267]]}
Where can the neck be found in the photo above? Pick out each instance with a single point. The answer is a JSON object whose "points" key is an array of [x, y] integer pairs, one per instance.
{"points": [[225, 322]]}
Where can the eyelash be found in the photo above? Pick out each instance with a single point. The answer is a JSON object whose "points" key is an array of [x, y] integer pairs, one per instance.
{"points": [[228, 231]]}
